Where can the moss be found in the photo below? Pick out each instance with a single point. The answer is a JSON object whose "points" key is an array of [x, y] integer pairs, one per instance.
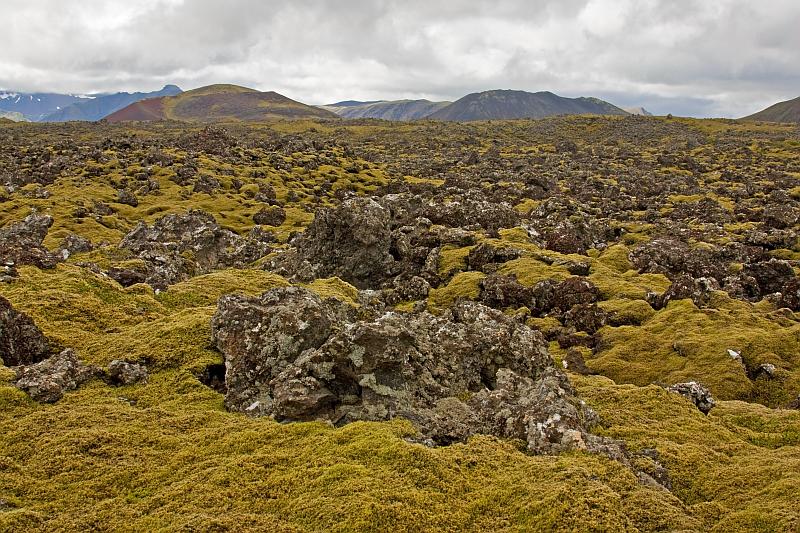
{"points": [[530, 271], [684, 343], [711, 458], [625, 311], [335, 288], [205, 290], [453, 259], [463, 285]]}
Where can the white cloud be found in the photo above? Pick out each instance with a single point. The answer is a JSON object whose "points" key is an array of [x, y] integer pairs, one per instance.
{"points": [[700, 57]]}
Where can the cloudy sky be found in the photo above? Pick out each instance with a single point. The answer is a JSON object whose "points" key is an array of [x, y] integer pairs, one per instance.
{"points": [[688, 57]]}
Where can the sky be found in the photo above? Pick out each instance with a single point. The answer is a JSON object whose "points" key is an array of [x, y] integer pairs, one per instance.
{"points": [[705, 58]]}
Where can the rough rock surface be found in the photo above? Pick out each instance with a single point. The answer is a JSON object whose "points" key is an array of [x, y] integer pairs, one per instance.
{"points": [[697, 393], [124, 373], [292, 356], [21, 341], [21, 242], [178, 246], [47, 380]]}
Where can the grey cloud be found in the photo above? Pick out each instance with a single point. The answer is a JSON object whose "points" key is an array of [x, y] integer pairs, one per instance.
{"points": [[690, 57]]}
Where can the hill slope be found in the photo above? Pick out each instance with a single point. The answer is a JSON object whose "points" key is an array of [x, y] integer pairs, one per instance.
{"points": [[219, 103], [387, 110], [788, 111], [505, 104], [102, 106]]}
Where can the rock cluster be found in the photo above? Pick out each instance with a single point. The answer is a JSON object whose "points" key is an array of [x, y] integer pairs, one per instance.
{"points": [[48, 380], [292, 356], [178, 246]]}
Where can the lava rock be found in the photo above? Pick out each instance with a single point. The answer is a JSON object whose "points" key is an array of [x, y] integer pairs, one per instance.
{"points": [[270, 216], [48, 380], [124, 373], [21, 341], [698, 394], [292, 356], [21, 242]]}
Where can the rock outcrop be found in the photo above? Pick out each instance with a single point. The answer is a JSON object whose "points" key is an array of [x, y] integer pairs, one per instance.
{"points": [[179, 246], [292, 356], [48, 380], [21, 341]]}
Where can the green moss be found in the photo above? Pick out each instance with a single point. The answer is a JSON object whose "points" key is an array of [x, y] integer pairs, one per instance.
{"points": [[453, 259], [463, 285], [530, 271], [335, 288], [634, 312], [205, 290], [733, 469], [684, 343]]}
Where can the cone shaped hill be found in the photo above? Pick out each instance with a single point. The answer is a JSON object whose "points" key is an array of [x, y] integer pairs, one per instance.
{"points": [[219, 103]]}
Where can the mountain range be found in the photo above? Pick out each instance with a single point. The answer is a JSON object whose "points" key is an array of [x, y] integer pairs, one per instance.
{"points": [[101, 106], [230, 102], [54, 107]]}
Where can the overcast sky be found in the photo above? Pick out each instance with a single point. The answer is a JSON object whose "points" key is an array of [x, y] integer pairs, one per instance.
{"points": [[688, 57]]}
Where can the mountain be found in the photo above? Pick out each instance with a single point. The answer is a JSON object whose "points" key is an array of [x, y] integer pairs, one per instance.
{"points": [[13, 115], [103, 105], [505, 104], [219, 103], [637, 111], [36, 106], [386, 110], [351, 103], [788, 111]]}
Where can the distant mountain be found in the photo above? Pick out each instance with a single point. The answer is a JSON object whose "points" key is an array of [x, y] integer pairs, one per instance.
{"points": [[788, 111], [35, 106], [387, 110], [637, 111], [351, 103], [219, 103], [13, 115], [103, 105], [505, 104]]}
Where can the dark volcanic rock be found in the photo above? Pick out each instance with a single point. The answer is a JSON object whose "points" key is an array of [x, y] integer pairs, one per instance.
{"points": [[486, 254], [47, 380], [698, 394], [124, 373], [292, 356], [21, 341], [179, 246], [500, 291], [21, 242], [352, 241], [270, 216]]}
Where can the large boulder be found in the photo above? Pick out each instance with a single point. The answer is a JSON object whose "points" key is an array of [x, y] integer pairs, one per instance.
{"points": [[351, 241], [293, 356], [21, 341]]}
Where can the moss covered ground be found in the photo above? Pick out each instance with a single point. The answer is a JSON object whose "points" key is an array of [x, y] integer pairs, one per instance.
{"points": [[167, 456]]}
